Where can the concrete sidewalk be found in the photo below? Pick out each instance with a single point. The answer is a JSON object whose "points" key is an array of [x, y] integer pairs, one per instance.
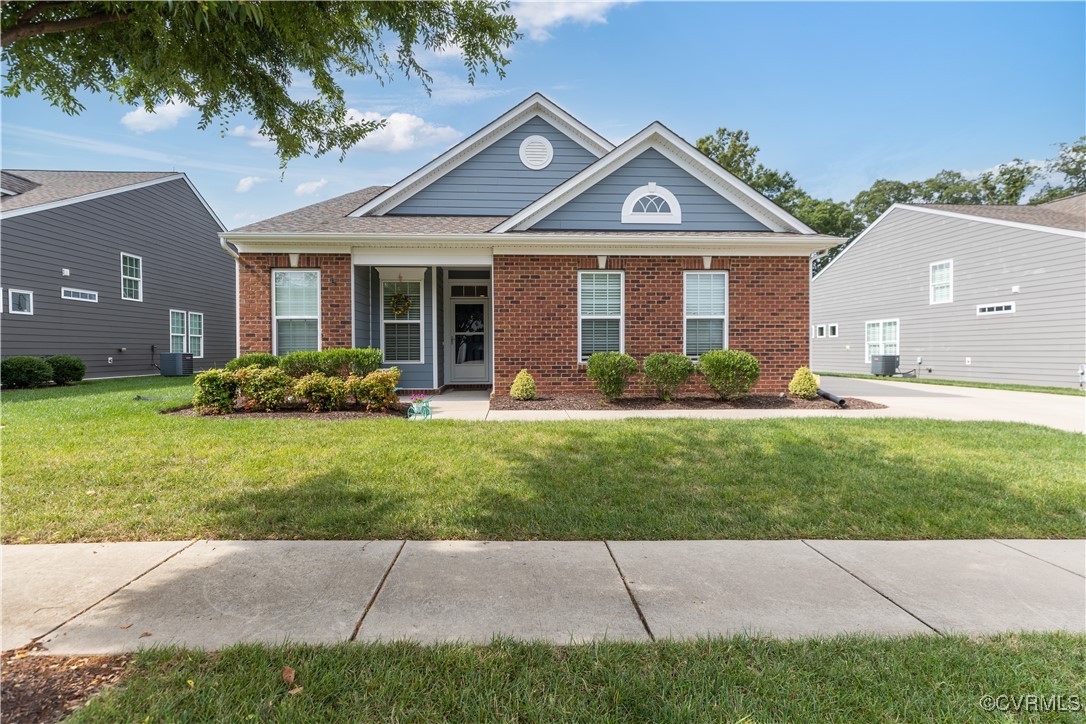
{"points": [[902, 399], [98, 598]]}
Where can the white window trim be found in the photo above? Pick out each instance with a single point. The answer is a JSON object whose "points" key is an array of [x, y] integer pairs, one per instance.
{"points": [[394, 274], [820, 331], [621, 309], [276, 318], [11, 308], [184, 334], [189, 335], [629, 216], [931, 284], [78, 291], [880, 322], [139, 279], [981, 307], [832, 330], [727, 306]]}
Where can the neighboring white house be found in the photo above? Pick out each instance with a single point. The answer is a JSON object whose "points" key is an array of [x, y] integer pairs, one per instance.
{"points": [[982, 293]]}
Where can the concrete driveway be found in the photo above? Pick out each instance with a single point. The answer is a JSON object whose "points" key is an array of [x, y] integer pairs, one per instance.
{"points": [[909, 399]]}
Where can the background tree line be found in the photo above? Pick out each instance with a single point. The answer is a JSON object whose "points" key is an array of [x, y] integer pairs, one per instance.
{"points": [[1006, 184]]}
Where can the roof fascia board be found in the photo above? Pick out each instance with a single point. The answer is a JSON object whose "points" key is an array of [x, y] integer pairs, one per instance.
{"points": [[658, 136], [534, 105], [953, 215], [101, 194]]}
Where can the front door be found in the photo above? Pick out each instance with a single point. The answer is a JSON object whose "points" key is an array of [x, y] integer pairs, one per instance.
{"points": [[470, 341]]}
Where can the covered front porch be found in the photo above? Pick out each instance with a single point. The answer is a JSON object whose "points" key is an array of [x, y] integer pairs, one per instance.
{"points": [[433, 322]]}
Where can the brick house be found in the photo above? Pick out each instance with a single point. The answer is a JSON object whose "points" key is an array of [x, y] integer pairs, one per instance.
{"points": [[532, 244]]}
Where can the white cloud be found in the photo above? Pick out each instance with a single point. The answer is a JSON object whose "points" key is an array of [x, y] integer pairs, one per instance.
{"points": [[535, 19], [166, 115], [247, 183], [242, 218], [310, 187], [402, 132], [252, 136], [451, 90]]}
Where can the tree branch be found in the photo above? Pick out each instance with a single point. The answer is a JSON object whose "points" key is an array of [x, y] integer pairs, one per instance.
{"points": [[22, 31], [38, 8]]}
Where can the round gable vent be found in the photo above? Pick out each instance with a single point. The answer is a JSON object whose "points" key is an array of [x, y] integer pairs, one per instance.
{"points": [[536, 152]]}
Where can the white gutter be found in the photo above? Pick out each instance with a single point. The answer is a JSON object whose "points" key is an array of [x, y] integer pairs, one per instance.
{"points": [[227, 249]]}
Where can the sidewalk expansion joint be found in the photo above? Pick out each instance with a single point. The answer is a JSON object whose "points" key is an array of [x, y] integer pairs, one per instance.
{"points": [[630, 593], [377, 591], [116, 590], [1042, 560], [895, 603]]}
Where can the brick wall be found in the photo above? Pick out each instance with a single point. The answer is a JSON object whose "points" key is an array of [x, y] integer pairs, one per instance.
{"points": [[254, 298], [535, 314]]}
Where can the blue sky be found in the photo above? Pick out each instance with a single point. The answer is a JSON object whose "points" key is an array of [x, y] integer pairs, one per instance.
{"points": [[838, 94]]}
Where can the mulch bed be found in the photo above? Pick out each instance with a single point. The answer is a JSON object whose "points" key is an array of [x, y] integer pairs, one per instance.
{"points": [[592, 401], [48, 688], [299, 412]]}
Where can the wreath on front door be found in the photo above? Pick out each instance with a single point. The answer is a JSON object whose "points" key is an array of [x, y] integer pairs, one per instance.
{"points": [[400, 304]]}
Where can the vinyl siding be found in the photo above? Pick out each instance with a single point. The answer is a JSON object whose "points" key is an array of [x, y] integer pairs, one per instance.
{"points": [[885, 276], [599, 208], [412, 376], [494, 182], [183, 268]]}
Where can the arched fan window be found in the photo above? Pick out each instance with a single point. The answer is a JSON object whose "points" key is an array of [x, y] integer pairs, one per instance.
{"points": [[651, 204]]}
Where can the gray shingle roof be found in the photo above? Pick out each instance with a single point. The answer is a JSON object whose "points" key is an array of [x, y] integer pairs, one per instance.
{"points": [[1068, 213], [62, 185]]}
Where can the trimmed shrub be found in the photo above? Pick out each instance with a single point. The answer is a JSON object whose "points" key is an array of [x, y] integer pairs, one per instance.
{"points": [[523, 386], [25, 371], [257, 359], [67, 368], [346, 362], [804, 384], [667, 371], [321, 392], [732, 373], [300, 364], [215, 392], [377, 390], [611, 371], [264, 389]]}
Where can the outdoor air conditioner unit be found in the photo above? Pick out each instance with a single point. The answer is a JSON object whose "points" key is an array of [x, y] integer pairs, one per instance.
{"points": [[884, 365], [175, 364]]}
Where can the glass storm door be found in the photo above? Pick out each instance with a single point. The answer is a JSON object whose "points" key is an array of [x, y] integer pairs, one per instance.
{"points": [[470, 362]]}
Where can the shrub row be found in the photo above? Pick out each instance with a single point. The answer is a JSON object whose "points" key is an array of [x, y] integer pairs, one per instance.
{"points": [[731, 373], [267, 389], [26, 371], [341, 363]]}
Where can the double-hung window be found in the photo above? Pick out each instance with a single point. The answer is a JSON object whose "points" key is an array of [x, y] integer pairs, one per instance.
{"points": [[177, 330], [706, 299], [196, 334], [401, 314], [600, 304], [296, 308], [131, 278], [882, 338], [941, 282]]}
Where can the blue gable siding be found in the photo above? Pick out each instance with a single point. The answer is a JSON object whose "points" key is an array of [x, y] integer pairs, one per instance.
{"points": [[599, 208], [494, 182]]}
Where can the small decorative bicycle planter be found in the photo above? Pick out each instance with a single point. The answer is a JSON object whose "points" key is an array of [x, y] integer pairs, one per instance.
{"points": [[419, 408]]}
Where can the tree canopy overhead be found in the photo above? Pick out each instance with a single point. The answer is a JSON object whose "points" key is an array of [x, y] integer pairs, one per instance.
{"points": [[230, 57]]}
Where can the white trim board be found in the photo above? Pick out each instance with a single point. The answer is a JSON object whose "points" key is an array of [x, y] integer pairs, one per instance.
{"points": [[953, 215], [533, 106], [673, 147], [110, 192]]}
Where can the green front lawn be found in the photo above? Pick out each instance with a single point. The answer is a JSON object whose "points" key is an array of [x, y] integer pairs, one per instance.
{"points": [[90, 463], [920, 678], [1074, 391]]}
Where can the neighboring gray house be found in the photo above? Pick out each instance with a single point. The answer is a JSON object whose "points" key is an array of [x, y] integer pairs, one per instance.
{"points": [[985, 293], [114, 268]]}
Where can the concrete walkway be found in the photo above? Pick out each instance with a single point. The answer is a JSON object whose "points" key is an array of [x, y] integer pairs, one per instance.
{"points": [[98, 598], [902, 399]]}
